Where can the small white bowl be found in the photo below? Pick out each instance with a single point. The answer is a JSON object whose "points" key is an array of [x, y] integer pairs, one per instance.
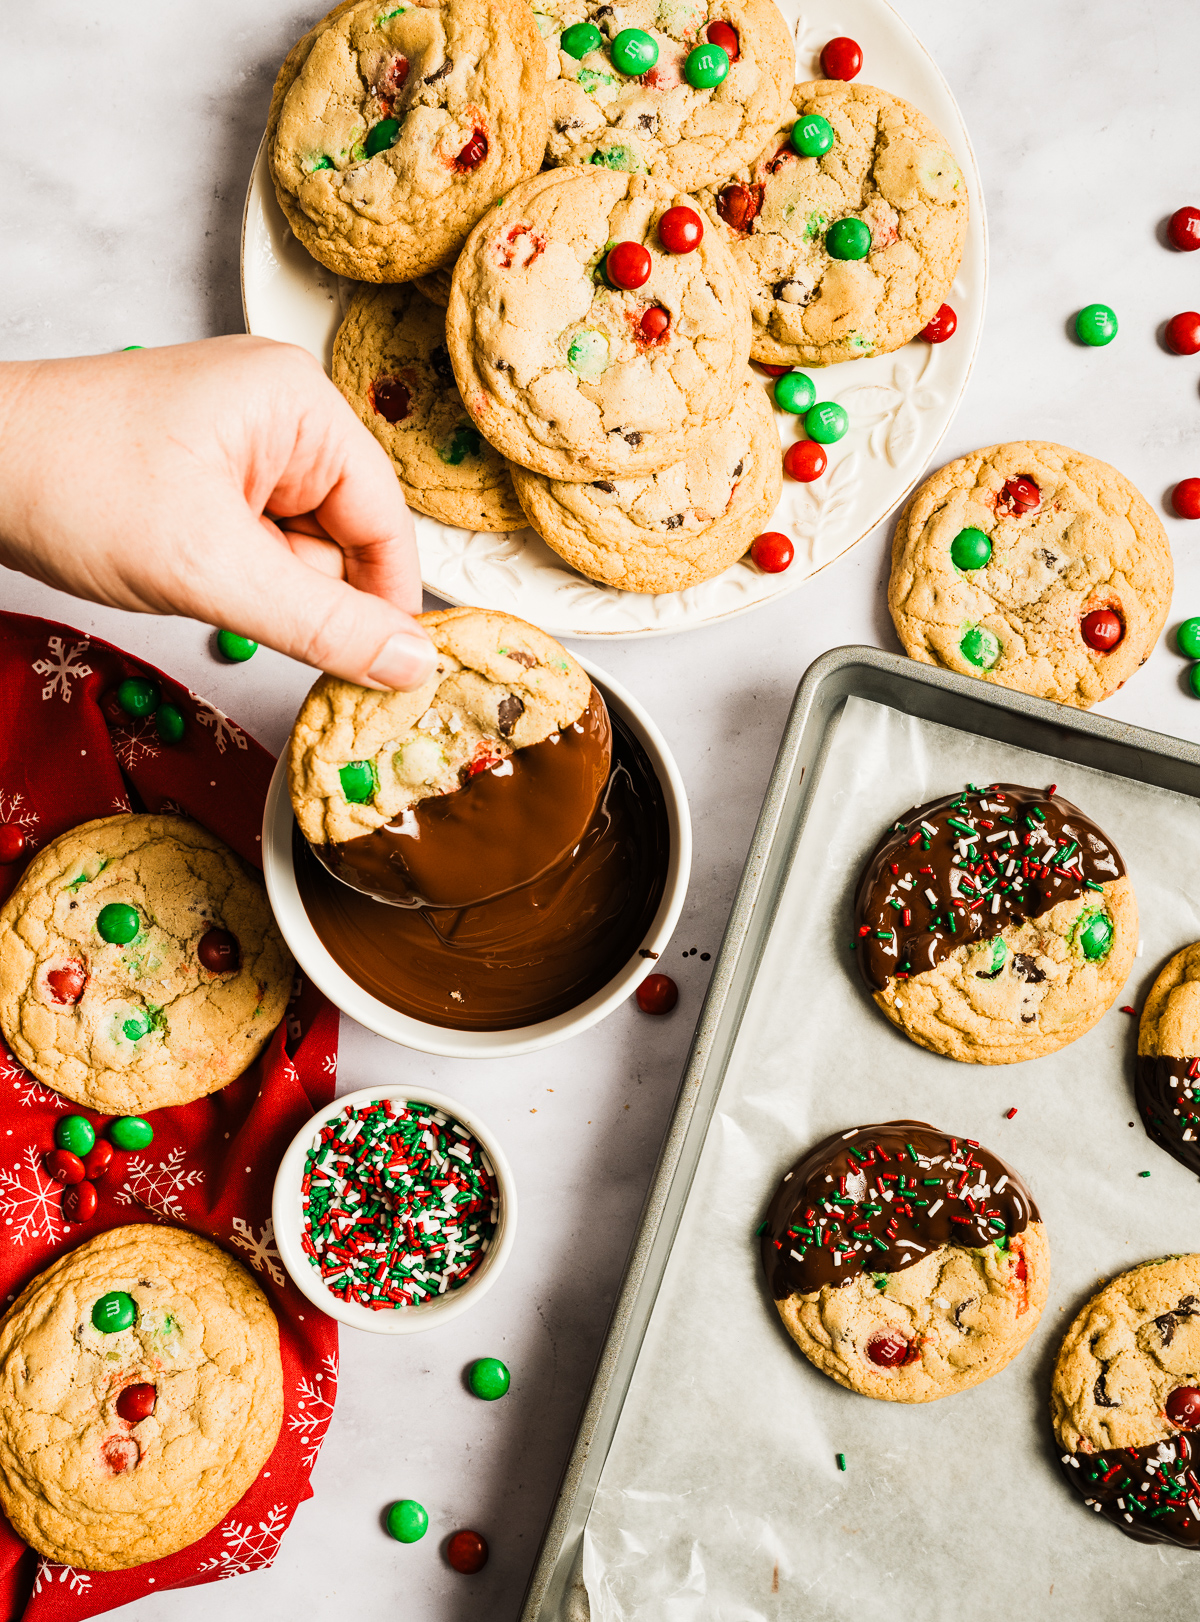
{"points": [[326, 973], [288, 1217]]}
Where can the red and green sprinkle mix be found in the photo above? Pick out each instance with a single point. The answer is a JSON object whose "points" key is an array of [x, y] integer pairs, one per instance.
{"points": [[400, 1204]]}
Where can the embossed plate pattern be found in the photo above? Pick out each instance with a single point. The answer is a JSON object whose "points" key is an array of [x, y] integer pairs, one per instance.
{"points": [[900, 405]]}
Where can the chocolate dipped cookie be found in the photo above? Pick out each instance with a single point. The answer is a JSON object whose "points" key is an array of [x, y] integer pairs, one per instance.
{"points": [[905, 1263], [1167, 1082], [995, 925], [1125, 1402]]}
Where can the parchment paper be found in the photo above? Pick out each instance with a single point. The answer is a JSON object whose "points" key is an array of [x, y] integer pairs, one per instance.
{"points": [[721, 1497]]}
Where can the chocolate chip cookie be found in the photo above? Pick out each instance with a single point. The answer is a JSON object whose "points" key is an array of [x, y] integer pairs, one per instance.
{"points": [[393, 127], [573, 376], [1032, 566], [358, 759], [1167, 1087], [140, 1394], [849, 225], [1125, 1403], [996, 924], [391, 363], [684, 90], [906, 1264], [675, 528], [140, 965]]}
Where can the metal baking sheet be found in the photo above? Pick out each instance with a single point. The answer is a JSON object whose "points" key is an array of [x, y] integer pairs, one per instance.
{"points": [[556, 1589]]}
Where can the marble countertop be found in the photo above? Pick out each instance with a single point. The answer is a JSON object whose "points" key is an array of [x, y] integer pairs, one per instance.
{"points": [[129, 132]]}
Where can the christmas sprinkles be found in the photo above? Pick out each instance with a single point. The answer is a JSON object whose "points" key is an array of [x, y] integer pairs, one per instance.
{"points": [[400, 1204], [1152, 1493]]}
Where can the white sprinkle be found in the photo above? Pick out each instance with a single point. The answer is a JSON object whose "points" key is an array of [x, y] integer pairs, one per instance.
{"points": [[796, 1254], [837, 1258], [995, 903], [999, 1189], [933, 900], [788, 1178], [929, 828], [1138, 953], [851, 1134], [904, 884], [936, 1207], [992, 838], [910, 1244]]}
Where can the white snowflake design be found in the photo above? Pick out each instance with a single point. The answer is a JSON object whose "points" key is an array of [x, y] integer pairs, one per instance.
{"points": [[172, 806], [30, 1203], [223, 729], [15, 811], [61, 667], [135, 742], [248, 1547], [31, 1091], [120, 803], [157, 1188], [329, 1064], [48, 1573], [262, 1252], [314, 1409]]}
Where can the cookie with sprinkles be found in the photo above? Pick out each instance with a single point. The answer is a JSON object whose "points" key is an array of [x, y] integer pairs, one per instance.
{"points": [[1167, 1083], [906, 1263], [1125, 1402], [996, 924]]}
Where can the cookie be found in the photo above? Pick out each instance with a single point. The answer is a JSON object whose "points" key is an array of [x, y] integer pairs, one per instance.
{"points": [[556, 366], [393, 127], [390, 361], [822, 290], [995, 925], [140, 965], [668, 530], [359, 758], [1020, 563], [906, 1264], [1124, 1402], [660, 119], [1167, 1085], [84, 1477], [436, 286]]}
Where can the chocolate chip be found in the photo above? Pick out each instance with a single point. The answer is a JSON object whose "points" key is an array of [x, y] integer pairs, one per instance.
{"points": [[675, 521], [440, 361], [1100, 1391], [962, 1307], [503, 366], [1049, 558], [1028, 1019], [790, 291], [737, 472], [522, 658], [603, 484], [440, 73], [1027, 969], [1166, 1327], [508, 713], [563, 125], [644, 951], [646, 121], [632, 438]]}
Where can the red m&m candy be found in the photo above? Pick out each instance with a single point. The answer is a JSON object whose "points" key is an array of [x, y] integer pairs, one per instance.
{"points": [[654, 324], [726, 36], [1102, 630], [805, 460], [773, 371], [97, 1160], [889, 1349], [657, 994], [1019, 495], [219, 951], [627, 265], [680, 230], [137, 1402], [12, 842], [467, 1552], [737, 205], [1183, 1406], [943, 326], [841, 58], [391, 399], [1183, 229], [67, 982], [772, 551], [64, 1167], [473, 154], [1183, 333], [1185, 498], [79, 1202]]}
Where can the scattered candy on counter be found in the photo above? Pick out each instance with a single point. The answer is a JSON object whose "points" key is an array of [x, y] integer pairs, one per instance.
{"points": [[114, 1312], [1187, 638], [772, 551], [1185, 498], [407, 1521], [772, 371], [128, 347], [400, 1204], [76, 1134], [680, 230], [1183, 229], [1194, 680], [1143, 1174], [805, 460], [488, 1378], [1096, 325], [943, 326], [467, 1552], [138, 697], [841, 1461], [1126, 1009], [1183, 333], [131, 1132], [826, 422], [237, 649], [841, 58], [1009, 1113], [169, 723], [657, 994], [12, 842], [628, 265], [795, 392]]}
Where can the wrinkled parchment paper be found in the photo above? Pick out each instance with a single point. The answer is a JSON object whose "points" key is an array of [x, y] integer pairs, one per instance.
{"points": [[721, 1498]]}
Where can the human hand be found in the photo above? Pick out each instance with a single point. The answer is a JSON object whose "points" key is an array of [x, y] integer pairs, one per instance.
{"points": [[226, 480]]}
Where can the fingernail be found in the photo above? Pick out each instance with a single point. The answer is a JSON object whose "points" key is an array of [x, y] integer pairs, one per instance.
{"points": [[403, 662]]}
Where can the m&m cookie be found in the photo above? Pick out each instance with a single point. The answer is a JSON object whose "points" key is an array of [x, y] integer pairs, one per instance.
{"points": [[1167, 1082]]}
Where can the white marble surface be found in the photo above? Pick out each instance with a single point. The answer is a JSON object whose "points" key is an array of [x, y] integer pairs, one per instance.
{"points": [[128, 132]]}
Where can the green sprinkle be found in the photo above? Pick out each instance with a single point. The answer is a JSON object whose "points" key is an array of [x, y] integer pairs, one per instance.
{"points": [[1143, 1174], [841, 1461], [761, 1229]]}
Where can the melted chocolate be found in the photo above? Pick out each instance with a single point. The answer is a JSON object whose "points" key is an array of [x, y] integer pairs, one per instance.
{"points": [[506, 827], [1149, 1491], [1167, 1091], [880, 1198], [987, 858], [529, 955]]}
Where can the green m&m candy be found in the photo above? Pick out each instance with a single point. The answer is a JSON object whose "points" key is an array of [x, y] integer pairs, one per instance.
{"points": [[848, 239], [580, 39], [118, 923], [706, 67], [812, 136], [168, 723], [1187, 639], [381, 136], [826, 423], [407, 1521], [114, 1312], [237, 649], [131, 1132], [1096, 325], [795, 392], [996, 953], [1095, 935], [488, 1378], [136, 696], [980, 647], [76, 1134], [634, 52], [358, 781], [1194, 680], [970, 549]]}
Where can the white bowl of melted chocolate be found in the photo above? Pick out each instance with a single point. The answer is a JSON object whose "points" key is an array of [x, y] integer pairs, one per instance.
{"points": [[484, 866]]}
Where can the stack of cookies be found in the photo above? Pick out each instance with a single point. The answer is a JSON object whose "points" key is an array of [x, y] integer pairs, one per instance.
{"points": [[602, 212]]}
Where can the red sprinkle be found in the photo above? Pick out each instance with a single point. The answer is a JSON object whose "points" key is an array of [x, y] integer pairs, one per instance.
{"points": [[1127, 1010], [1008, 1114]]}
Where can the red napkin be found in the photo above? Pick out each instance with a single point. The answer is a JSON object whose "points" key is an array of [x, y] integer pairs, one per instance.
{"points": [[67, 755]]}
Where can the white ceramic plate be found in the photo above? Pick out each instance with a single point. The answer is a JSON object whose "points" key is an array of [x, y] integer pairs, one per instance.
{"points": [[900, 405]]}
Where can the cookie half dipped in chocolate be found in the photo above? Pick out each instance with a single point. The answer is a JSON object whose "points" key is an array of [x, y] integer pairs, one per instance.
{"points": [[995, 925], [906, 1263], [1125, 1402], [1167, 1085]]}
